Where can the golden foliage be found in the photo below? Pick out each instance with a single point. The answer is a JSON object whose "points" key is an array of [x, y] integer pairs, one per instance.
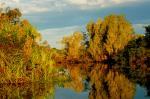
{"points": [[73, 44], [109, 36], [27, 48], [18, 47]]}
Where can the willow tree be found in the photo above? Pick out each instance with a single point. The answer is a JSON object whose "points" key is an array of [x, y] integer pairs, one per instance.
{"points": [[73, 44], [108, 36], [95, 47]]}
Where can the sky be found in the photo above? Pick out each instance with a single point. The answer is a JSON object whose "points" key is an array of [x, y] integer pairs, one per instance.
{"points": [[57, 18]]}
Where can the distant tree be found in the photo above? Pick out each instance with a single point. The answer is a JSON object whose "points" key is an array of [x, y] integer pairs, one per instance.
{"points": [[73, 44], [13, 15]]}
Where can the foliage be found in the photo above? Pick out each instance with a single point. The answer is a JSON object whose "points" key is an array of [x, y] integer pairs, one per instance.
{"points": [[109, 36], [73, 45], [22, 59], [147, 35], [103, 40], [25, 91], [136, 54]]}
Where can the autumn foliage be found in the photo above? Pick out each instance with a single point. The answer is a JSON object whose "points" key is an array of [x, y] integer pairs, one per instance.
{"points": [[18, 45]]}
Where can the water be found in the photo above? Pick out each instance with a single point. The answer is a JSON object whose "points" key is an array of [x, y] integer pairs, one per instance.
{"points": [[64, 93], [141, 93], [96, 81]]}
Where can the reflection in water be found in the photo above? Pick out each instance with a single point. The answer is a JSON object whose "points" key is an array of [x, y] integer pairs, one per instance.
{"points": [[110, 84], [28, 91], [77, 74], [100, 81], [76, 82], [139, 76]]}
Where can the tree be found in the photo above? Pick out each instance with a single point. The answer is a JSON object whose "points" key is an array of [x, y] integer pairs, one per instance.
{"points": [[13, 15], [109, 36], [147, 35], [94, 43], [73, 44]]}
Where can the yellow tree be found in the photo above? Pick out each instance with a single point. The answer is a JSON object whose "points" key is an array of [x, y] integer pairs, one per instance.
{"points": [[108, 36], [95, 47], [73, 44], [17, 34]]}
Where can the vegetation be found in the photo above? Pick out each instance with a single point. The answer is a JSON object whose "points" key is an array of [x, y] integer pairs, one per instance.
{"points": [[108, 37], [105, 40], [22, 59], [123, 54], [136, 54], [35, 90], [73, 45]]}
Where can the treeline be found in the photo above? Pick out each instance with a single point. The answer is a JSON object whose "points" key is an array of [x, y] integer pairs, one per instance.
{"points": [[111, 39], [22, 58], [102, 40]]}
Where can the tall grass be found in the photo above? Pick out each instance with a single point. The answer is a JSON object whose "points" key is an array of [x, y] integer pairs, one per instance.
{"points": [[14, 68]]}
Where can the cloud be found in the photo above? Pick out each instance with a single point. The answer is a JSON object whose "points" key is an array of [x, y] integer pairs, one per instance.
{"points": [[33, 9], [17, 1], [139, 28], [86, 4], [54, 35], [36, 6]]}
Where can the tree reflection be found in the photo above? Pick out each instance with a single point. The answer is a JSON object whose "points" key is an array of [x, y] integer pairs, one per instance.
{"points": [[76, 73], [109, 84], [106, 82], [140, 76], [27, 91]]}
